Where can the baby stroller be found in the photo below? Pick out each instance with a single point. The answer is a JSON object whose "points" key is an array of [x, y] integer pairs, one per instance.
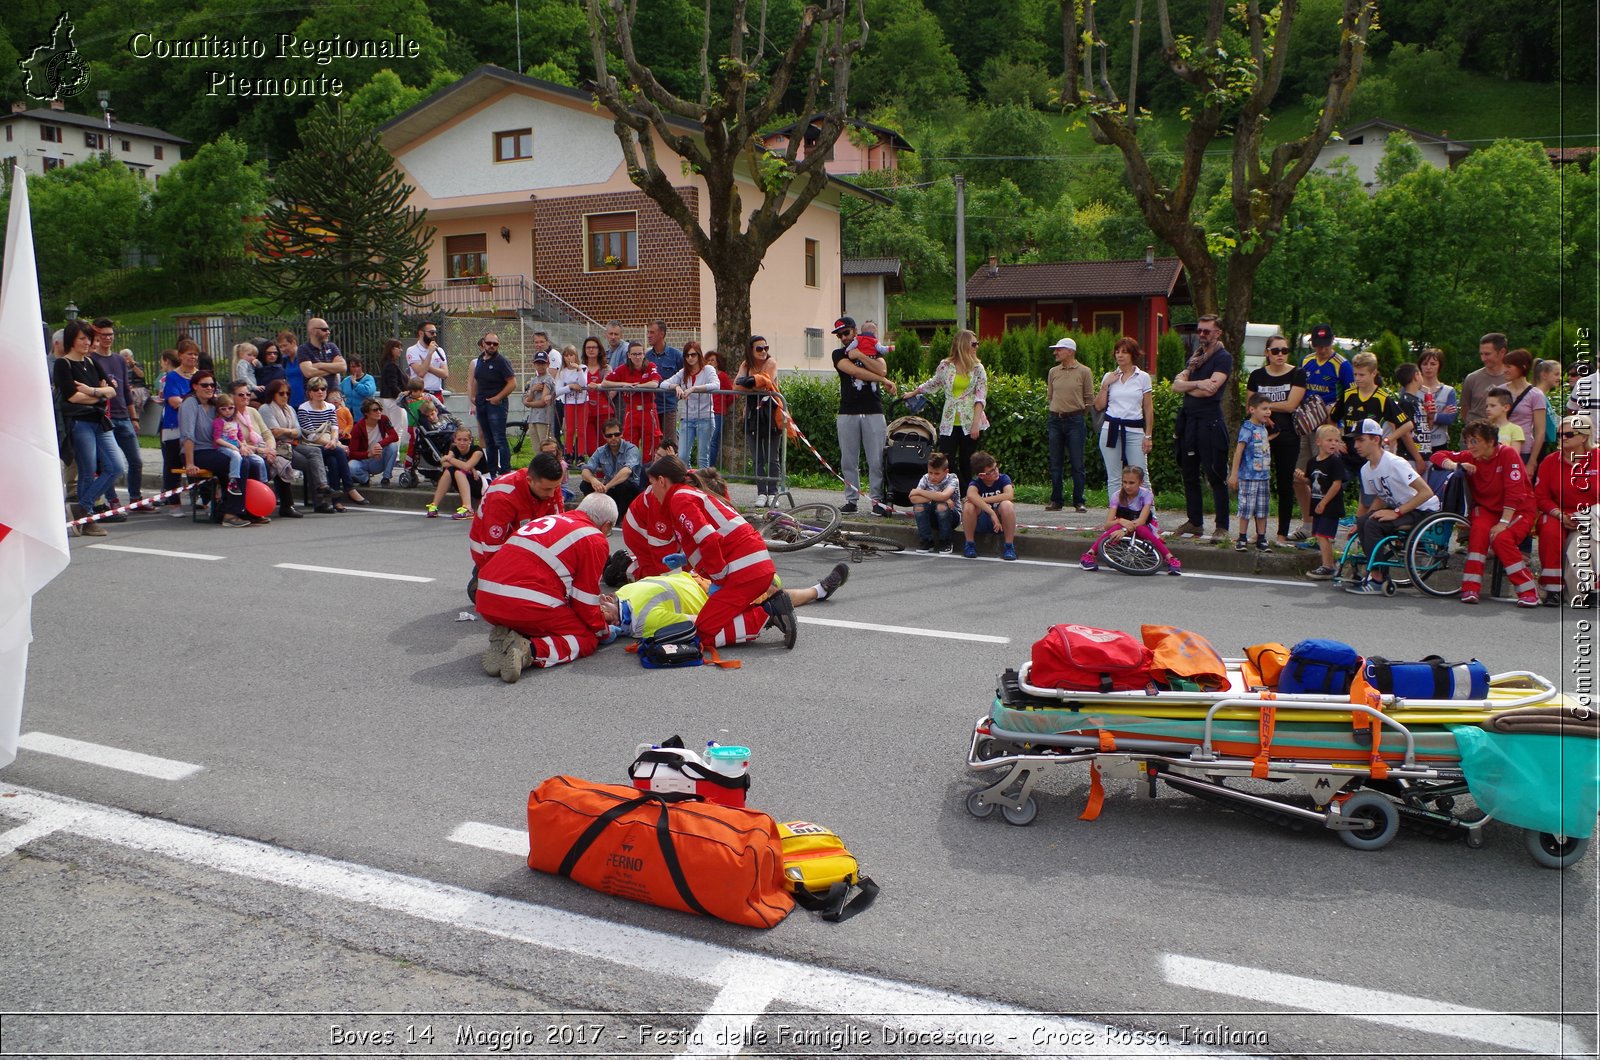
{"points": [[425, 454], [905, 456]]}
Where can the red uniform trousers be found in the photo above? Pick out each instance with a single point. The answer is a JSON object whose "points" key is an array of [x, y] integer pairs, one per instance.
{"points": [[731, 614], [557, 634], [642, 428], [1552, 553], [1481, 522]]}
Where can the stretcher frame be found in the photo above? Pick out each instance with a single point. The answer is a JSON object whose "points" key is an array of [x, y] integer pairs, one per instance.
{"points": [[1364, 803]]}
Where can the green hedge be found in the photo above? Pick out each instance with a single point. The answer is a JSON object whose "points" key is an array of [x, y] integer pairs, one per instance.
{"points": [[1018, 434]]}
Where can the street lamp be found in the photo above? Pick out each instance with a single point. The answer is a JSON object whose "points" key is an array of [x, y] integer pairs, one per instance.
{"points": [[105, 104], [72, 311]]}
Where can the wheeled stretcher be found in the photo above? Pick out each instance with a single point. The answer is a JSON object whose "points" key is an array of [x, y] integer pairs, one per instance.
{"points": [[1525, 755]]}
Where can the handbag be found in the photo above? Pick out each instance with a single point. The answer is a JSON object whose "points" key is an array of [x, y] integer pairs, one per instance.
{"points": [[1311, 413], [670, 849]]}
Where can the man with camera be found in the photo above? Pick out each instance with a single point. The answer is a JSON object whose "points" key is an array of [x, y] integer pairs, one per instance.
{"points": [[426, 360]]}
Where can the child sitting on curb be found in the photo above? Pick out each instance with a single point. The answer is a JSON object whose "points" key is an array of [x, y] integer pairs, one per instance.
{"points": [[1326, 475], [1132, 512], [989, 507], [936, 503]]}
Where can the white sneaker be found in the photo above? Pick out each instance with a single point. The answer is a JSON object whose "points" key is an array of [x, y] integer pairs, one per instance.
{"points": [[762, 500]]}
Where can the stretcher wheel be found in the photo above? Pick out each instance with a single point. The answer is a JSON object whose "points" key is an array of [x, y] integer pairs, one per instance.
{"points": [[472, 587], [1552, 851], [408, 479], [1130, 555], [1475, 839], [977, 807], [988, 748], [1023, 815], [1383, 820]]}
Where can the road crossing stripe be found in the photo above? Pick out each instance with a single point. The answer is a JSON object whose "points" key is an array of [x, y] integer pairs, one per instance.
{"points": [[910, 631], [157, 552], [354, 573], [491, 837], [751, 987], [1508, 1031], [110, 757], [904, 1008]]}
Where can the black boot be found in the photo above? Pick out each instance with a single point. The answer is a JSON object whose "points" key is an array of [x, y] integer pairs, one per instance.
{"points": [[286, 507]]}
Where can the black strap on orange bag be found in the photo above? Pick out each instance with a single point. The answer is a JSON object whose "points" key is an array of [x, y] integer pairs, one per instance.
{"points": [[837, 904], [669, 852]]}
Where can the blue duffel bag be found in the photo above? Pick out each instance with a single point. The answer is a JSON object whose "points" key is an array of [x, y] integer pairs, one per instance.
{"points": [[1321, 667], [1432, 678]]}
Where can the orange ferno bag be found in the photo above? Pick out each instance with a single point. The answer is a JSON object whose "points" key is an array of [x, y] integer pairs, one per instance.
{"points": [[670, 849], [1270, 659], [1180, 653]]}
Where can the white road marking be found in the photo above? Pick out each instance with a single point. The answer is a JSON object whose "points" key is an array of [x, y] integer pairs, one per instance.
{"points": [[158, 552], [736, 1008], [37, 828], [354, 573], [1073, 566], [1522, 1033], [902, 1007], [110, 757], [491, 837], [912, 631], [396, 511]]}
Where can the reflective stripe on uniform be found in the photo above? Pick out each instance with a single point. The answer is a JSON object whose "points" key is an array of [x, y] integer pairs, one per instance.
{"points": [[517, 592]]}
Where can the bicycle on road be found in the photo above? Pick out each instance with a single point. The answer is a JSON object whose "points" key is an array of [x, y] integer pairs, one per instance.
{"points": [[792, 529]]}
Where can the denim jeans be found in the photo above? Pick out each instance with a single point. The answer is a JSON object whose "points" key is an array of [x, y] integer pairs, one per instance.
{"points": [[1066, 440], [697, 431], [383, 466], [496, 450], [126, 433], [933, 524], [717, 423], [99, 460]]}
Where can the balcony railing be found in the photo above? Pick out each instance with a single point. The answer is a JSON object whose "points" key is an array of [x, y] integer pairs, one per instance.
{"points": [[498, 294]]}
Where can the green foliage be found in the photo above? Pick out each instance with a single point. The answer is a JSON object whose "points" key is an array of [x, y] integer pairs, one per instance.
{"points": [[385, 96], [1401, 155], [1008, 141], [553, 71], [85, 217], [340, 238], [1561, 342], [202, 213], [907, 60], [121, 291], [1170, 355], [1391, 353], [1021, 84]]}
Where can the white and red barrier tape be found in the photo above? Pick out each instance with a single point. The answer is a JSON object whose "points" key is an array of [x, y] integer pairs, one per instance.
{"points": [[142, 503]]}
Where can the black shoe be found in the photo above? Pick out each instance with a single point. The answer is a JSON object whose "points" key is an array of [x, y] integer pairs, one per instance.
{"points": [[881, 509], [835, 578], [118, 518], [848, 508], [781, 612], [324, 509], [289, 511]]}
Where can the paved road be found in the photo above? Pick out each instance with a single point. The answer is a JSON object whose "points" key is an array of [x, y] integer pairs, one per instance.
{"points": [[346, 733]]}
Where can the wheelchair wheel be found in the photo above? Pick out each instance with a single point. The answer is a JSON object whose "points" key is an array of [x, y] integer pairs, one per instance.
{"points": [[802, 525], [1436, 554], [1130, 555]]}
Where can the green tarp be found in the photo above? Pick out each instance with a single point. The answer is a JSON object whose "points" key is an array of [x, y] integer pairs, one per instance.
{"points": [[1546, 783]]}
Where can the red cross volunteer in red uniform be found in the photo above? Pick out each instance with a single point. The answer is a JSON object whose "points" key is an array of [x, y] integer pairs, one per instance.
{"points": [[544, 584], [513, 499], [720, 546], [1502, 510], [647, 537]]}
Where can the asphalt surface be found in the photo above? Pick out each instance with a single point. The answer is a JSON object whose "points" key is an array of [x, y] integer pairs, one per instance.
{"points": [[347, 718]]}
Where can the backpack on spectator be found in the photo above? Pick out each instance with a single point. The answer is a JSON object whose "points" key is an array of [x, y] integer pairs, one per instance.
{"points": [[1086, 659], [1321, 667]]}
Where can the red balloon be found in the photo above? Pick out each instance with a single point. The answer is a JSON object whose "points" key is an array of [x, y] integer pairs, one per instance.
{"points": [[259, 500]]}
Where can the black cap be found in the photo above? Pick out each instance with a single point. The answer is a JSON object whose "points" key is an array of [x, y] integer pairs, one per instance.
{"points": [[1322, 335], [842, 323]]}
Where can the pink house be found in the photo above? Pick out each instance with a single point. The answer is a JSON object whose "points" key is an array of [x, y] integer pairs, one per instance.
{"points": [[861, 148], [534, 213]]}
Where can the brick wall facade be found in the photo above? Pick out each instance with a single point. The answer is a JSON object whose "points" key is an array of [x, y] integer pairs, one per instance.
{"points": [[666, 284]]}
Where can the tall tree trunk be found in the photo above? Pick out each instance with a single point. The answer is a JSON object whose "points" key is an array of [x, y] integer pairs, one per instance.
{"points": [[733, 270]]}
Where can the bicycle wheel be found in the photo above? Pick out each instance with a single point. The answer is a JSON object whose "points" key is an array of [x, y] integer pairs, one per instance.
{"points": [[1130, 555], [798, 527], [1436, 554], [867, 543]]}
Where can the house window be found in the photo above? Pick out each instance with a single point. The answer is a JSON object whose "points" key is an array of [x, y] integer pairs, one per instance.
{"points": [[465, 258], [50, 134], [513, 146], [94, 141], [814, 343], [1109, 321], [158, 153], [52, 163], [126, 146], [1019, 320], [613, 240], [8, 134], [811, 263]]}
